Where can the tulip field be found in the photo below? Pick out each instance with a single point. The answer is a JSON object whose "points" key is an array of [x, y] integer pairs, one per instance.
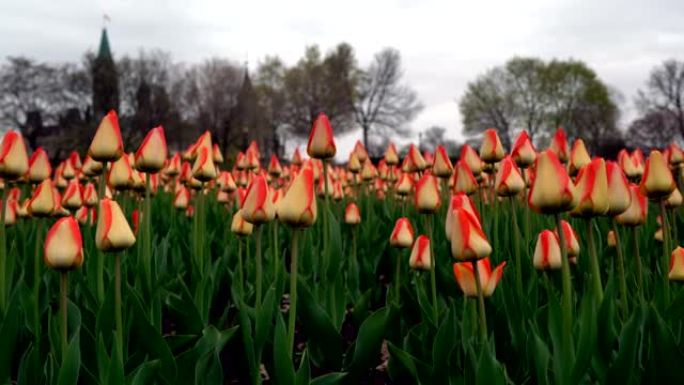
{"points": [[493, 266]]}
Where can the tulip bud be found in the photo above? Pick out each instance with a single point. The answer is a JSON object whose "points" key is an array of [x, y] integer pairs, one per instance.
{"points": [[352, 216], [637, 211], [152, 153], [571, 241], [579, 156], [121, 174], [592, 190], [225, 182], [274, 167], [298, 207], [464, 181], [468, 241], [368, 171], [113, 232], [523, 152], [547, 253], [611, 239], [321, 140], [677, 265], [44, 202], [465, 277], [182, 198], [674, 200], [360, 151], [90, 197], [459, 200], [72, 198], [257, 208], [404, 184], [657, 181], [676, 156], [421, 259], [239, 225], [173, 167], [39, 166], [491, 150], [427, 198], [619, 197], [204, 169], [508, 181], [14, 161], [551, 190], [252, 159], [559, 145], [470, 157], [296, 158], [11, 212], [216, 154], [391, 157], [402, 234], [63, 249], [107, 144], [442, 167], [354, 165], [414, 161]]}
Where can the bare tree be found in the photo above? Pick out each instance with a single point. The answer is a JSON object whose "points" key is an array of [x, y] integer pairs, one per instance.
{"points": [[654, 130], [434, 136], [269, 84], [665, 93], [383, 104]]}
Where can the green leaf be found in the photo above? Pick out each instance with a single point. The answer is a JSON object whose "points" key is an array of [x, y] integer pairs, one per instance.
{"points": [[9, 333], [541, 357], [68, 371], [145, 373], [324, 342], [282, 363], [624, 369], [264, 323], [368, 342], [303, 376], [587, 338], [329, 379], [489, 371]]}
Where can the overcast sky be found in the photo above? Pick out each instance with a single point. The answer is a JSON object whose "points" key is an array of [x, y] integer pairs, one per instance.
{"points": [[444, 44]]}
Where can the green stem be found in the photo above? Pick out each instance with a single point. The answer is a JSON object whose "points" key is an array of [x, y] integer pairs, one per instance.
{"points": [[665, 262], [480, 300], [258, 268], [37, 256], [147, 233], [241, 274], [516, 248], [292, 317], [433, 270], [567, 292], [621, 270], [101, 191], [274, 246], [397, 278], [63, 312], [593, 260], [326, 228], [117, 306], [3, 252], [640, 277]]}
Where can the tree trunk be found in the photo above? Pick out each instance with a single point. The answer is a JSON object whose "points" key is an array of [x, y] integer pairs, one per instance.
{"points": [[365, 129]]}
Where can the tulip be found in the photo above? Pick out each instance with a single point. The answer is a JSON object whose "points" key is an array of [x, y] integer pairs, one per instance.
{"points": [[657, 181], [225, 182], [547, 253], [414, 161], [72, 199], [471, 159], [491, 150], [559, 145], [321, 143], [152, 153], [476, 279], [442, 167], [274, 168], [298, 207], [402, 234], [173, 166], [67, 170], [239, 225], [390, 156], [107, 144], [637, 211], [468, 241], [676, 270], [459, 200], [464, 180], [427, 198], [551, 190], [252, 159], [11, 211], [404, 184], [14, 162], [296, 158], [216, 154], [44, 202], [570, 237], [354, 164], [676, 154], [611, 239], [352, 216], [39, 166], [91, 167], [368, 171], [591, 191], [257, 208], [523, 152], [113, 232], [674, 200], [63, 249], [619, 196], [508, 181], [360, 151], [204, 169], [421, 258], [121, 174], [579, 156]]}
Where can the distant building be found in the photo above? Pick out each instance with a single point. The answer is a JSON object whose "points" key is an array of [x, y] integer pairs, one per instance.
{"points": [[105, 80]]}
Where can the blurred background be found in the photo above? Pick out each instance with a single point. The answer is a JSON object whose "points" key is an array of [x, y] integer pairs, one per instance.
{"points": [[423, 71]]}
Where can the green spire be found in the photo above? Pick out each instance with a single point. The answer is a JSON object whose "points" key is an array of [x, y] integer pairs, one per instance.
{"points": [[104, 51]]}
